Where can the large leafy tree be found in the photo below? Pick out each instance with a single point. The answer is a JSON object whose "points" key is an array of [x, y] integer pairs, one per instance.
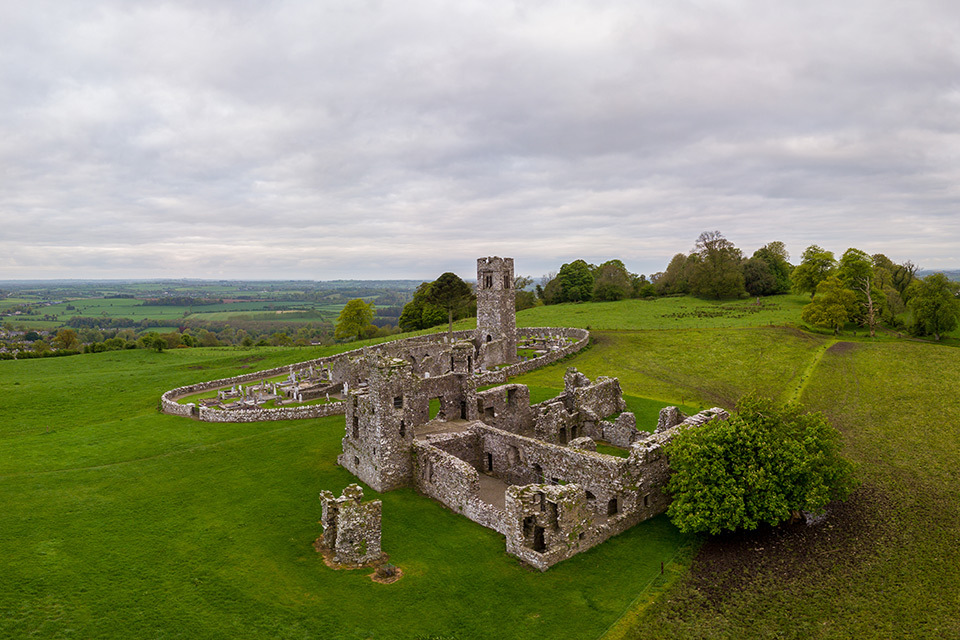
{"points": [[66, 339], [717, 272], [858, 273], [832, 307], [612, 281], [676, 278], [450, 293], [419, 313], [764, 464], [575, 280], [355, 316], [758, 279], [775, 256], [815, 265], [936, 309]]}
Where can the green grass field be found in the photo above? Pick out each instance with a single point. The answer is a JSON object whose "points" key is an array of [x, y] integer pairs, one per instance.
{"points": [[667, 313], [119, 521]]}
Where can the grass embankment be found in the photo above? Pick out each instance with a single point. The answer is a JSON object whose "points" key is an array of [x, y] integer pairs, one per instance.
{"points": [[119, 521]]}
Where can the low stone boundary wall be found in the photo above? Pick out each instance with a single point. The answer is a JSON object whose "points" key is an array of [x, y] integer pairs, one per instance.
{"points": [[208, 414], [169, 404], [581, 337]]}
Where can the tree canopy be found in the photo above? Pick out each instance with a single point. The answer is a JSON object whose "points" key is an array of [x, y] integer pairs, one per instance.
{"points": [[354, 318], [419, 313], [676, 277], [612, 281], [815, 265], [66, 339], [775, 256], [716, 272], [832, 307], [575, 280], [450, 293], [764, 464], [936, 309]]}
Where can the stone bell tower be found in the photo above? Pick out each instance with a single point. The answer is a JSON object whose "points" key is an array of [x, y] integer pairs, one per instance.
{"points": [[496, 334]]}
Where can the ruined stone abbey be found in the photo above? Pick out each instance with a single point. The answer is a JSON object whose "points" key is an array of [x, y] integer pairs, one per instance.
{"points": [[530, 472]]}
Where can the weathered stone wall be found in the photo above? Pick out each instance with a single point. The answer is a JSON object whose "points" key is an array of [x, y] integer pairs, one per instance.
{"points": [[209, 414], [444, 477], [521, 460], [427, 354], [622, 432], [351, 529], [457, 394], [464, 446], [548, 523], [378, 440], [452, 481], [553, 423], [598, 400], [506, 407]]}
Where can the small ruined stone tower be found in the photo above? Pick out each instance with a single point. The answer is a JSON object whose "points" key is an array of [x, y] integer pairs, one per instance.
{"points": [[351, 528], [496, 311], [378, 441]]}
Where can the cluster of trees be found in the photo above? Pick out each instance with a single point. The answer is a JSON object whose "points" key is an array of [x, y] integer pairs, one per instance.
{"points": [[355, 320], [859, 288], [870, 290], [579, 281], [716, 268], [446, 299]]}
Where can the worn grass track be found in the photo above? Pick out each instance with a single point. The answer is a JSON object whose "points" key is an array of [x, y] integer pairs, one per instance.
{"points": [[885, 565]]}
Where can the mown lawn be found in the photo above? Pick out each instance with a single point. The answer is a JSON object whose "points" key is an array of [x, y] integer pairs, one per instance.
{"points": [[698, 368]]}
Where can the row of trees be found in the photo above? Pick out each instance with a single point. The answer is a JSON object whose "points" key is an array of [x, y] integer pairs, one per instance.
{"points": [[870, 290], [579, 281], [716, 268], [860, 288]]}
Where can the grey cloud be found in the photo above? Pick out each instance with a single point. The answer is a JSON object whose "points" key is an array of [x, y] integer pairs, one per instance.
{"points": [[342, 139]]}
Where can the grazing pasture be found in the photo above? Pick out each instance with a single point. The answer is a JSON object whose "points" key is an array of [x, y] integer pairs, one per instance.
{"points": [[119, 521], [122, 522]]}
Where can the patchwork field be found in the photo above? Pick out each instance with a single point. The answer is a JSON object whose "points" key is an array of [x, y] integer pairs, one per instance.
{"points": [[119, 521]]}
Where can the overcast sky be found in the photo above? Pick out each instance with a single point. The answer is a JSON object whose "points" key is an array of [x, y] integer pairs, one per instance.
{"points": [[366, 139]]}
